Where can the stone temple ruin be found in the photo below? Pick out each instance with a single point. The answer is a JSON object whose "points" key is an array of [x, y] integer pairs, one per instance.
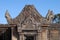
{"points": [[30, 25]]}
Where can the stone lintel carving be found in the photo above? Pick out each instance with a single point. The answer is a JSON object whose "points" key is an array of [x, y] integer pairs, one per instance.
{"points": [[19, 28]]}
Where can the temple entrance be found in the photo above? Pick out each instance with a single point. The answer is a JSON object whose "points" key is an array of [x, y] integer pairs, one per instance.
{"points": [[29, 37]]}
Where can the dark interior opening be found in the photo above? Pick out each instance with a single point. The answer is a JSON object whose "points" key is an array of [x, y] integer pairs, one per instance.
{"points": [[29, 38], [1, 37], [6, 35]]}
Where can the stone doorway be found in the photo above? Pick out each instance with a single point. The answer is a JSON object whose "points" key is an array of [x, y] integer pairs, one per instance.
{"points": [[30, 38]]}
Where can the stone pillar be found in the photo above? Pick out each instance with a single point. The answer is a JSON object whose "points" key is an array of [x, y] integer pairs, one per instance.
{"points": [[34, 37], [45, 34], [38, 36], [21, 36], [12, 36]]}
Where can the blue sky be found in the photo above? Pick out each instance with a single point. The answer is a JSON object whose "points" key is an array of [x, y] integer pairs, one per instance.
{"points": [[15, 7]]}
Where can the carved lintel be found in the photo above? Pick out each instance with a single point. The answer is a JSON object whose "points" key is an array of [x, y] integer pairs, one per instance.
{"points": [[39, 30], [19, 29]]}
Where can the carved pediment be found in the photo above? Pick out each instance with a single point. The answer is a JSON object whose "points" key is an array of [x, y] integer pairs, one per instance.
{"points": [[26, 12], [30, 23], [30, 10]]}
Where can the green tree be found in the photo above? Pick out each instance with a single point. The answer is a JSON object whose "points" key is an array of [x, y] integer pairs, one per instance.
{"points": [[57, 18]]}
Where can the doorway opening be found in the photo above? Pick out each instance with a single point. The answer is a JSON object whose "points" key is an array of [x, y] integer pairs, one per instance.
{"points": [[29, 37], [6, 35]]}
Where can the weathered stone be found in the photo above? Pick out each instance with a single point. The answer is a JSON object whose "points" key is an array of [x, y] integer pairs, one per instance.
{"points": [[30, 25]]}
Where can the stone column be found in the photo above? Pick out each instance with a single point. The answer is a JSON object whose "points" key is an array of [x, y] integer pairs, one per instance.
{"points": [[39, 36], [45, 34], [34, 37], [21, 36], [11, 33], [12, 36]]}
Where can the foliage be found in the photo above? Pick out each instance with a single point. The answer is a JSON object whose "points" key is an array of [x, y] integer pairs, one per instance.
{"points": [[57, 18]]}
